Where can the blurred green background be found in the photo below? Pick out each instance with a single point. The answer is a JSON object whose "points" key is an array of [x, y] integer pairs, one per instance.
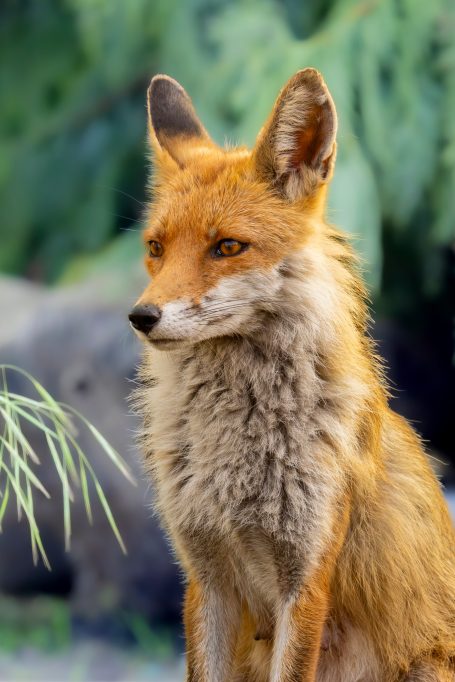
{"points": [[73, 172], [74, 74]]}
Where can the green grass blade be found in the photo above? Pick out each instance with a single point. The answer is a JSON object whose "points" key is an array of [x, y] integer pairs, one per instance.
{"points": [[113, 455], [11, 419], [55, 421], [29, 513], [11, 439], [110, 518], [85, 491], [37, 419], [35, 553], [60, 467], [22, 464], [5, 498], [66, 452], [45, 395]]}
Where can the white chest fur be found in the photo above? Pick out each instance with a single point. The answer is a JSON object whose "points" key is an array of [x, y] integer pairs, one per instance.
{"points": [[241, 472]]}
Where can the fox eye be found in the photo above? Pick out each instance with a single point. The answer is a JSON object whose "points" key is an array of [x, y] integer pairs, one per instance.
{"points": [[155, 249], [229, 247]]}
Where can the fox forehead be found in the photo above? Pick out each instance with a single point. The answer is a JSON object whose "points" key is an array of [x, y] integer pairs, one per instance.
{"points": [[219, 198], [214, 197]]}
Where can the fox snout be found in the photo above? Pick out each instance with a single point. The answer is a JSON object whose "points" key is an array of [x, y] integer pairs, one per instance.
{"points": [[144, 317]]}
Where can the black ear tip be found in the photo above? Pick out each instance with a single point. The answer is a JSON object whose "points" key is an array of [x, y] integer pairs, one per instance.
{"points": [[162, 86], [171, 111]]}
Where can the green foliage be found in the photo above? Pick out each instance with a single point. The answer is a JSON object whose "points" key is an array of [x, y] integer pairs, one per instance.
{"points": [[73, 121], [18, 460], [383, 61], [44, 624]]}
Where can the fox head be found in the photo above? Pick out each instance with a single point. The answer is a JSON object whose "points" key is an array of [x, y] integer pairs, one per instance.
{"points": [[223, 222]]}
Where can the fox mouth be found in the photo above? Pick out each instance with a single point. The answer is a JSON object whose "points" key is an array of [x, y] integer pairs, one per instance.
{"points": [[165, 343]]}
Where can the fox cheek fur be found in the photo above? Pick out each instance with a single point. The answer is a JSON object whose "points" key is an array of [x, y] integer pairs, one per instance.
{"points": [[314, 536], [235, 305]]}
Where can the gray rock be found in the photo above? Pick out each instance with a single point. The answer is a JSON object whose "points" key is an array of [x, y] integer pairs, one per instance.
{"points": [[84, 353]]}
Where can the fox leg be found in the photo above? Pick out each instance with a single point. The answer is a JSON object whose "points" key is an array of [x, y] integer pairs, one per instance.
{"points": [[298, 634], [303, 614], [212, 618]]}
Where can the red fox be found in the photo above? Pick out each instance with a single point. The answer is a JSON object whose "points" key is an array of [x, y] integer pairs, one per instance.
{"points": [[315, 539]]}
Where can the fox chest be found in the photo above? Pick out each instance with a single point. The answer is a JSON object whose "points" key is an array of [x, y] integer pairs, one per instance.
{"points": [[228, 453], [261, 529], [236, 477]]}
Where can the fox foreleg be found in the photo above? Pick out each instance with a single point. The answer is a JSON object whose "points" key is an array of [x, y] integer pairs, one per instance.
{"points": [[298, 634], [303, 611], [212, 619]]}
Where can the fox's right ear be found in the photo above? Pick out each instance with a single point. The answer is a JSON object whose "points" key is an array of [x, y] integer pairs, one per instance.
{"points": [[174, 127], [295, 151]]}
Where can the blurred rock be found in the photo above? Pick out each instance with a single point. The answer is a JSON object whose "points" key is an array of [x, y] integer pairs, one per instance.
{"points": [[84, 353], [17, 299]]}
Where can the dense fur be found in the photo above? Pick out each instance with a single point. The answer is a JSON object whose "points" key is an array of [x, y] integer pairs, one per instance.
{"points": [[314, 535]]}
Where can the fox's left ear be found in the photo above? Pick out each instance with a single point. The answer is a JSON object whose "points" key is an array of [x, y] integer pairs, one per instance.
{"points": [[295, 151], [174, 127]]}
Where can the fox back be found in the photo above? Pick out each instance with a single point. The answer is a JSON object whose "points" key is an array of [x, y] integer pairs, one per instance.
{"points": [[314, 536]]}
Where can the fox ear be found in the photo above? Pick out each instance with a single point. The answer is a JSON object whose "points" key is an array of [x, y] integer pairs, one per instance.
{"points": [[295, 151], [173, 123]]}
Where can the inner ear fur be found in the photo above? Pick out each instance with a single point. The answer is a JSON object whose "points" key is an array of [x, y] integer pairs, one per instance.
{"points": [[174, 126], [295, 151]]}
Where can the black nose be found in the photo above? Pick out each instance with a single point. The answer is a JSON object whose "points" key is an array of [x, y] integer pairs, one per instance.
{"points": [[144, 317]]}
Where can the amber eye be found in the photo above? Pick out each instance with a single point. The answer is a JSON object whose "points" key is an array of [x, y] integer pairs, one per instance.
{"points": [[155, 249], [229, 247]]}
